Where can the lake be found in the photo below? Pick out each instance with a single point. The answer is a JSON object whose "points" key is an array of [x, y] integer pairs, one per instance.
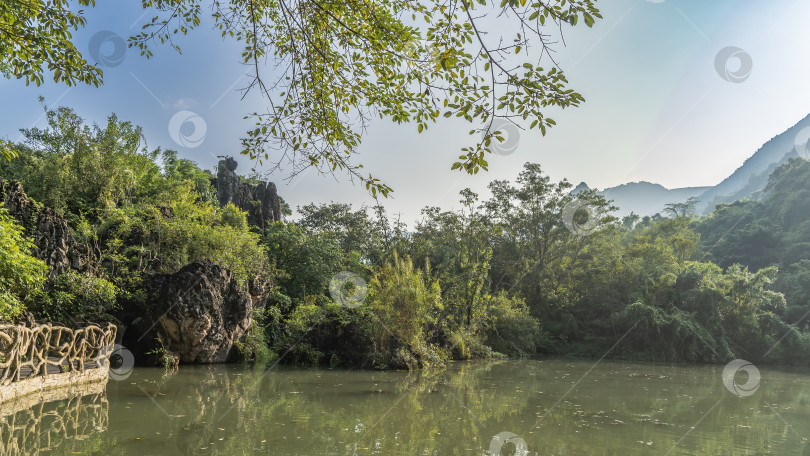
{"points": [[532, 407]]}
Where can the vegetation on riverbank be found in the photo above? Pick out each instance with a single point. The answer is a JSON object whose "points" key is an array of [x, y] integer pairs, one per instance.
{"points": [[534, 269]]}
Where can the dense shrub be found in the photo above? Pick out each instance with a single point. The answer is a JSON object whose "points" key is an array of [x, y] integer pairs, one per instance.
{"points": [[73, 298], [21, 274], [407, 310], [511, 329]]}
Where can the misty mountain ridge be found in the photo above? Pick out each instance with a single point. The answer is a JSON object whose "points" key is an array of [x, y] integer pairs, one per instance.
{"points": [[748, 181], [752, 176], [643, 198]]}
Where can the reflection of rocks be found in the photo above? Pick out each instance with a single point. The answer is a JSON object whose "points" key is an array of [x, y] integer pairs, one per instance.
{"points": [[28, 427], [198, 313], [53, 240], [199, 427], [259, 200]]}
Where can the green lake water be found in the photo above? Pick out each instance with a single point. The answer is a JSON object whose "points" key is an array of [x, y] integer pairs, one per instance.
{"points": [[548, 407]]}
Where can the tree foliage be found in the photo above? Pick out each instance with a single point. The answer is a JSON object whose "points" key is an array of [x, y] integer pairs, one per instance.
{"points": [[36, 36], [21, 274], [533, 269], [338, 65], [326, 69]]}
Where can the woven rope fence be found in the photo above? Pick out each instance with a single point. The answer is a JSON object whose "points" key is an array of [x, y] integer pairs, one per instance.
{"points": [[29, 352]]}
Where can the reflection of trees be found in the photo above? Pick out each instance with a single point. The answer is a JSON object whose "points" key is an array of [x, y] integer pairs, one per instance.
{"points": [[216, 410], [415, 413], [544, 407], [43, 427]]}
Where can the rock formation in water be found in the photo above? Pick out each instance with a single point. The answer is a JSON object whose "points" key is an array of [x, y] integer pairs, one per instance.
{"points": [[54, 242], [260, 200], [198, 313]]}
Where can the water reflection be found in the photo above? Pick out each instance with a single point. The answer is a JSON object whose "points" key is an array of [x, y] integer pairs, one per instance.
{"points": [[499, 408], [33, 428]]}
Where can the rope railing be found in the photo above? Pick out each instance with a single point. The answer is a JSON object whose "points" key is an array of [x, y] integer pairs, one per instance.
{"points": [[29, 352]]}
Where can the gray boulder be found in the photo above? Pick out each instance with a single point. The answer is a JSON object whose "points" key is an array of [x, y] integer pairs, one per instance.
{"points": [[198, 313]]}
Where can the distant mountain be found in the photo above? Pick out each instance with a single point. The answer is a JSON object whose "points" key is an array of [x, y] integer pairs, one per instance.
{"points": [[580, 188], [752, 176], [748, 181], [645, 198]]}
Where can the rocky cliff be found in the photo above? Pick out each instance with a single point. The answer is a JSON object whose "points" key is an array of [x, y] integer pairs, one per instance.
{"points": [[260, 200], [54, 242], [199, 312]]}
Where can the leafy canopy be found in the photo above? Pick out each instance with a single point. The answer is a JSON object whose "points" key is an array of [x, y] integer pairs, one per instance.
{"points": [[36, 36], [337, 65], [326, 69]]}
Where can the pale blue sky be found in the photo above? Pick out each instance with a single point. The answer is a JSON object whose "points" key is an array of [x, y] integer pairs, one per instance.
{"points": [[656, 109]]}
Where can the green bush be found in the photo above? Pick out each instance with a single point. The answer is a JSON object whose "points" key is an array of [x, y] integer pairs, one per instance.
{"points": [[181, 228], [21, 275], [407, 308], [73, 298], [511, 329]]}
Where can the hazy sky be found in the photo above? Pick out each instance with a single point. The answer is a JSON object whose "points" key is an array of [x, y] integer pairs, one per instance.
{"points": [[657, 107]]}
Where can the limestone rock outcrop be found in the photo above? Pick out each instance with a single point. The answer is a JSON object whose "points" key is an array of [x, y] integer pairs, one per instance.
{"points": [[198, 313], [54, 242], [260, 200]]}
